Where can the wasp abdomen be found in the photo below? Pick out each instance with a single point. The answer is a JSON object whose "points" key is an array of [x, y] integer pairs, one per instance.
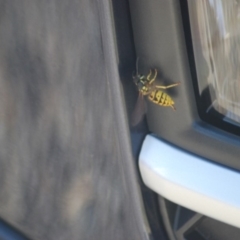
{"points": [[161, 98]]}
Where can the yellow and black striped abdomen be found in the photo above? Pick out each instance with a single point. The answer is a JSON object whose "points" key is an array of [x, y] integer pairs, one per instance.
{"points": [[161, 98]]}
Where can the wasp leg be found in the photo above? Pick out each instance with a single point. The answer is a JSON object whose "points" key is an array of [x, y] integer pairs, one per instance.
{"points": [[173, 107], [168, 86], [149, 75], [154, 77]]}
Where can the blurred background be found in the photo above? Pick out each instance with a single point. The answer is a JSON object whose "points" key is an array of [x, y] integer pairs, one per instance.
{"points": [[62, 166]]}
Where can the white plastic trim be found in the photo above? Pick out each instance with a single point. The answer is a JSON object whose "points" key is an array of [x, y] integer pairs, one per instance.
{"points": [[191, 181]]}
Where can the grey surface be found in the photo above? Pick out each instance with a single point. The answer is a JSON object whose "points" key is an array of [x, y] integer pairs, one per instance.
{"points": [[211, 229], [62, 171]]}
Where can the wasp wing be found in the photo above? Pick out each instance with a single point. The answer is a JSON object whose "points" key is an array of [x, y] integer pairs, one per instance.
{"points": [[139, 110]]}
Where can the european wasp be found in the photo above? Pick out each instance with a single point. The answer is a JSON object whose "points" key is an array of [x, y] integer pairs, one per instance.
{"points": [[147, 86]]}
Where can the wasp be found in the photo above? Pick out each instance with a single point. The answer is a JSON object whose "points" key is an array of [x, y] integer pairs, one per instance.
{"points": [[147, 86]]}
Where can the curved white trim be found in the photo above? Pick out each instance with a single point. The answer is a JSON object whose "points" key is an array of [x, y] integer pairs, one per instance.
{"points": [[190, 181]]}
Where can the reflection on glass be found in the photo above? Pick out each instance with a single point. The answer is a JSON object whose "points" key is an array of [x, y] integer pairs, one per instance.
{"points": [[215, 27]]}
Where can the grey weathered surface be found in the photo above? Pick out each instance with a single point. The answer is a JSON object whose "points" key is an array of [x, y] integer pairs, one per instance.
{"points": [[60, 174]]}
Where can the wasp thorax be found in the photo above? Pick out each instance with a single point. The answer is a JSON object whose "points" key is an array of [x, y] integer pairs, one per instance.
{"points": [[142, 84], [144, 90]]}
